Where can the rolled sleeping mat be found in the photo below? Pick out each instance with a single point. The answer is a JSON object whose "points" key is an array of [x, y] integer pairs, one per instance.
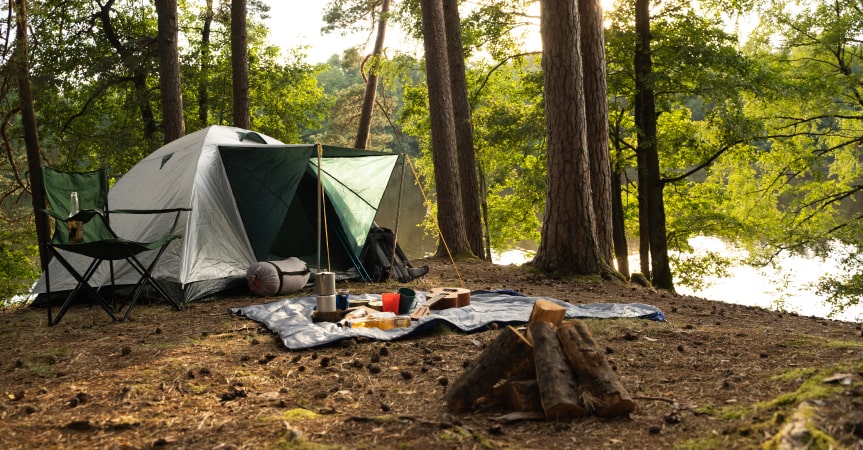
{"points": [[266, 278]]}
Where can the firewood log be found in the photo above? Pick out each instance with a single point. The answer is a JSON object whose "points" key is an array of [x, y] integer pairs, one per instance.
{"points": [[504, 353], [558, 388], [604, 393]]}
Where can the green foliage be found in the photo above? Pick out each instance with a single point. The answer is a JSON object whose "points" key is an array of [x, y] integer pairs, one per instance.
{"points": [[18, 258]]}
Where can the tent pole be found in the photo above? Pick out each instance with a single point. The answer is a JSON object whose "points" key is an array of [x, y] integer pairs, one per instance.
{"points": [[398, 211], [319, 203]]}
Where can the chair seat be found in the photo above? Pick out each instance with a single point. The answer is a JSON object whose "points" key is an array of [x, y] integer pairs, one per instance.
{"points": [[114, 249]]}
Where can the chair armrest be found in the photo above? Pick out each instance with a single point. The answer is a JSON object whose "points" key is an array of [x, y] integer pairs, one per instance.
{"points": [[84, 215], [148, 211]]}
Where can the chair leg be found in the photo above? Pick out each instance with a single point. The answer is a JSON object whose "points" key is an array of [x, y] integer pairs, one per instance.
{"points": [[83, 282], [147, 278]]}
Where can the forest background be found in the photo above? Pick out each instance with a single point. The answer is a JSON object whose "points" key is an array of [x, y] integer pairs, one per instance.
{"points": [[758, 142]]}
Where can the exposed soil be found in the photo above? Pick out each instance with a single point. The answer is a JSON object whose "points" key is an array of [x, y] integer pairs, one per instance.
{"points": [[714, 375]]}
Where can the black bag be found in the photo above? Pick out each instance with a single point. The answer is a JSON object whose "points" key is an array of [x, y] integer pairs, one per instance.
{"points": [[377, 258]]}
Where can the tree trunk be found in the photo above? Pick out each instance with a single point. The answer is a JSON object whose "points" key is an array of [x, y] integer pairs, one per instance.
{"points": [[169, 70], [21, 59], [569, 244], [470, 193], [444, 153], [240, 64], [365, 126], [621, 247], [596, 103], [648, 153], [203, 79], [643, 223]]}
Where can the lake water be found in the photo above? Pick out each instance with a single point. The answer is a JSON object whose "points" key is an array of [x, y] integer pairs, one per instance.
{"points": [[752, 286]]}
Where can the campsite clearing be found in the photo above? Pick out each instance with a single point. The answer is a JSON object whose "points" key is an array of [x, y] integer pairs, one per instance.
{"points": [[713, 375]]}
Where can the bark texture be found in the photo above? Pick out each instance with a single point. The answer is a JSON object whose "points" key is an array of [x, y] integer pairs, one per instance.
{"points": [[173, 124], [596, 104], [470, 193], [240, 64], [651, 206], [569, 244], [498, 359], [603, 392], [558, 390], [203, 81], [364, 129], [444, 151], [21, 67]]}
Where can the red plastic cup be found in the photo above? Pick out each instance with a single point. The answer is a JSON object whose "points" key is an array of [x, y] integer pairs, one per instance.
{"points": [[390, 302]]}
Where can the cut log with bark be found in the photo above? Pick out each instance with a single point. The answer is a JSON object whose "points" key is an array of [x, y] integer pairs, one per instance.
{"points": [[547, 311], [503, 354], [558, 389], [518, 395], [608, 397], [559, 371]]}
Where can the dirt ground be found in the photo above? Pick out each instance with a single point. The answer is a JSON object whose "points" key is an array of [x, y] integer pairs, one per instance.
{"points": [[713, 375]]}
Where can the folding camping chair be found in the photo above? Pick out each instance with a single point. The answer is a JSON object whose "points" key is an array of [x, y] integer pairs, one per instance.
{"points": [[78, 203]]}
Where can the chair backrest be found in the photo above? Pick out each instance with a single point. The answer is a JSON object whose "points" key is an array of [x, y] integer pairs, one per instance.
{"points": [[92, 191]]}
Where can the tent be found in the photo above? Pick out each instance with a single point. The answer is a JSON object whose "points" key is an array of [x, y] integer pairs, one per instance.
{"points": [[253, 198]]}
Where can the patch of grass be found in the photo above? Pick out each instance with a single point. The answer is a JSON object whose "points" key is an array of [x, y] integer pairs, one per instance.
{"points": [[455, 434], [853, 345], [735, 412], [298, 414], [198, 389], [706, 410], [795, 374], [800, 342], [812, 388], [41, 370]]}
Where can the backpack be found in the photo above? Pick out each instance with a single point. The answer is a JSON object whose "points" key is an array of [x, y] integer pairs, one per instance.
{"points": [[377, 258]]}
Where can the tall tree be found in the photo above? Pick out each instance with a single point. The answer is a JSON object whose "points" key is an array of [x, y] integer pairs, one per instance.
{"points": [[444, 152], [203, 77], [569, 242], [240, 64], [467, 174], [173, 124], [21, 66], [649, 183], [596, 94], [365, 124]]}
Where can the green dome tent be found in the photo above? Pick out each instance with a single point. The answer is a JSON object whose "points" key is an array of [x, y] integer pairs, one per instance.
{"points": [[253, 198]]}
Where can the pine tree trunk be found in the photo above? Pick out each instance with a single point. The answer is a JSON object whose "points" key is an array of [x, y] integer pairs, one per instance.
{"points": [[648, 153], [470, 193], [203, 81], [569, 243], [173, 124], [21, 61], [621, 247], [444, 152], [596, 102], [365, 125], [240, 64]]}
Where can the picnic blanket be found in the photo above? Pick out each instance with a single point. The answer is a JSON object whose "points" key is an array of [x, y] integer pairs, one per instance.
{"points": [[291, 318]]}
